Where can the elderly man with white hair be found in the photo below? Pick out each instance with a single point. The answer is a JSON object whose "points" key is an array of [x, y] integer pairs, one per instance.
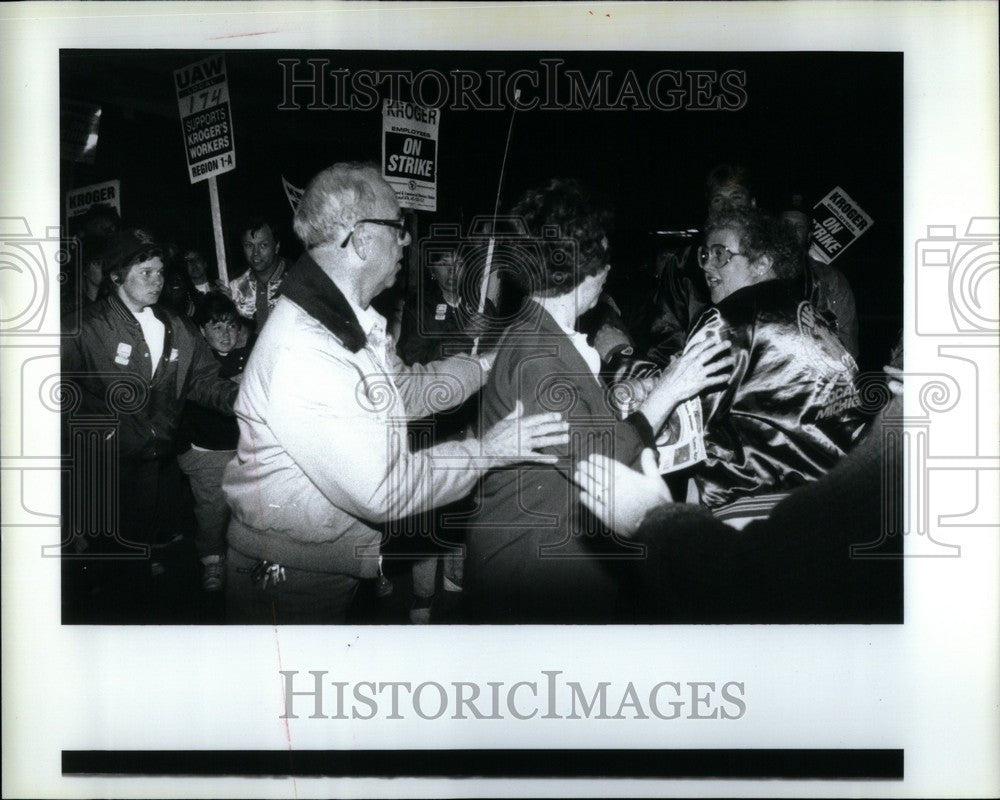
{"points": [[323, 456]]}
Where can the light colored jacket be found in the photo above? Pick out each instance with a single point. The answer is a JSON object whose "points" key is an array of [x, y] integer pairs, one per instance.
{"points": [[323, 454]]}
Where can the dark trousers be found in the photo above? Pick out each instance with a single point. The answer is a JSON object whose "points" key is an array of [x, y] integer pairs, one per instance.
{"points": [[112, 516], [151, 493], [289, 597]]}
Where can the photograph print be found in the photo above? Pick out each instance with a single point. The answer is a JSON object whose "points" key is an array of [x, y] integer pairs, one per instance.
{"points": [[513, 337]]}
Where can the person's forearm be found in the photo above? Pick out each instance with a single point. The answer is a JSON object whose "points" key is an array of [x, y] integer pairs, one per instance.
{"points": [[657, 408], [439, 385]]}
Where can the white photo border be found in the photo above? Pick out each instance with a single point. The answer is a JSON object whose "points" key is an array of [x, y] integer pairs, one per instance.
{"points": [[928, 686]]}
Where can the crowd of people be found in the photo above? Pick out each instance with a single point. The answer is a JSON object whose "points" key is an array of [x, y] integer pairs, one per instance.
{"points": [[527, 451]]}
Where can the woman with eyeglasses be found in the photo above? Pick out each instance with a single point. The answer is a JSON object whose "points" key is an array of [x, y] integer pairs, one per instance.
{"points": [[790, 410]]}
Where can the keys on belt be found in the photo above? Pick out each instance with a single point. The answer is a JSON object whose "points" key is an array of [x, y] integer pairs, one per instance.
{"points": [[265, 572]]}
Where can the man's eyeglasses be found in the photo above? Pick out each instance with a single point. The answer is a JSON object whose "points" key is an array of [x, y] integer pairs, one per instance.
{"points": [[398, 224], [716, 255]]}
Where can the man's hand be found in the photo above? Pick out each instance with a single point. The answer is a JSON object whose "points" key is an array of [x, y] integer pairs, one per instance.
{"points": [[619, 496], [517, 438]]}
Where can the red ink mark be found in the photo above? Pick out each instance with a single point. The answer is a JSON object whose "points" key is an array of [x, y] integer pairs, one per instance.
{"points": [[288, 732], [240, 35]]}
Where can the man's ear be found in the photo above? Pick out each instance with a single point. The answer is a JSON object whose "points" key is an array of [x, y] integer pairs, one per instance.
{"points": [[361, 241], [763, 264]]}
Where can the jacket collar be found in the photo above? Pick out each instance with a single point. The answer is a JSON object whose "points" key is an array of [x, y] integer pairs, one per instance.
{"points": [[312, 290], [120, 309], [538, 326], [249, 277], [537, 318]]}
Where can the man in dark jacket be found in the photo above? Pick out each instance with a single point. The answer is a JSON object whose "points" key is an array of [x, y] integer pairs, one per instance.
{"points": [[129, 371], [533, 554]]}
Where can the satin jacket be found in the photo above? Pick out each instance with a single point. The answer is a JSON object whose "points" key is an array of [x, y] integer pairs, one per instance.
{"points": [[243, 291], [790, 410]]}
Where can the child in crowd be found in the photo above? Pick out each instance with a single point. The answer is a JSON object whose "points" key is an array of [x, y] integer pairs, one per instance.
{"points": [[208, 439]]}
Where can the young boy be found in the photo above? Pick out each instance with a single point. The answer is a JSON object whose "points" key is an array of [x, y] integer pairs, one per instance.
{"points": [[208, 439]]}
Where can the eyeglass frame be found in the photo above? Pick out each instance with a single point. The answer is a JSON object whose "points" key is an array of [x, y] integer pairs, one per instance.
{"points": [[399, 224], [703, 260]]}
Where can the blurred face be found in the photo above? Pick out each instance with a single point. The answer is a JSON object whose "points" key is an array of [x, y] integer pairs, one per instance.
{"points": [[142, 284], [260, 249], [726, 269], [445, 272], [222, 335], [731, 195], [801, 223], [196, 267], [102, 226], [94, 272]]}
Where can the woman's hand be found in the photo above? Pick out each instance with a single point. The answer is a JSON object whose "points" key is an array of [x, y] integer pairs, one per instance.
{"points": [[705, 363], [618, 496]]}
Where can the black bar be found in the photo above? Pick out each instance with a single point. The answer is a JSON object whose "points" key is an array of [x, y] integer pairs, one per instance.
{"points": [[884, 764]]}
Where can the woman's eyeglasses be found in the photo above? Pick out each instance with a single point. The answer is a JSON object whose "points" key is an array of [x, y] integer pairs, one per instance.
{"points": [[716, 255]]}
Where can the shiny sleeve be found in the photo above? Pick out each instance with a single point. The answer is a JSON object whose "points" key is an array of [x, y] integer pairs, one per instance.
{"points": [[717, 403]]}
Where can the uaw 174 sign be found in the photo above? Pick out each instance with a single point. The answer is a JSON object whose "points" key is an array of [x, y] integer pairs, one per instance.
{"points": [[206, 119], [409, 153], [837, 223]]}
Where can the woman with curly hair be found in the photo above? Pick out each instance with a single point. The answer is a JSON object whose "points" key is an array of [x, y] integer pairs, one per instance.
{"points": [[790, 410], [534, 553]]}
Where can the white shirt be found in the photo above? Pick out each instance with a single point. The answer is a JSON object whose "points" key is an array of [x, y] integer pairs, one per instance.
{"points": [[154, 332], [590, 355], [375, 329]]}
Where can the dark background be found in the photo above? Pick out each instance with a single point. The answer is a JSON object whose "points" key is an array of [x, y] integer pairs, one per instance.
{"points": [[812, 121]]}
